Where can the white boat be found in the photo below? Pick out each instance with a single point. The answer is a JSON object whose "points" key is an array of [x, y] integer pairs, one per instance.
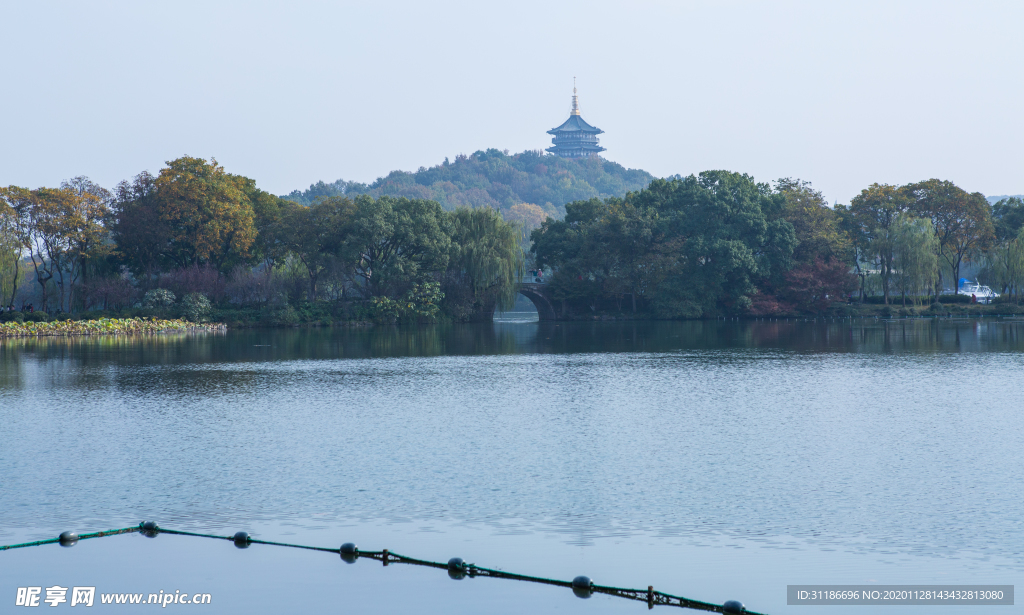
{"points": [[983, 293]]}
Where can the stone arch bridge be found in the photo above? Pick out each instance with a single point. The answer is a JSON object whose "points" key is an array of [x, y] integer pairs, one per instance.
{"points": [[537, 293], [541, 298]]}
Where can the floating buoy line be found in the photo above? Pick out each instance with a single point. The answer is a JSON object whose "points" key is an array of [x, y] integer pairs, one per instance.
{"points": [[582, 586]]}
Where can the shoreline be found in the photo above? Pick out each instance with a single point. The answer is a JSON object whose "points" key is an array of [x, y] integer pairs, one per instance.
{"points": [[156, 326]]}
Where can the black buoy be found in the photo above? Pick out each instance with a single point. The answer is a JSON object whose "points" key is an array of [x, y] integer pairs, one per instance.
{"points": [[149, 529], [349, 552], [734, 607], [241, 540], [68, 539], [582, 586], [457, 568]]}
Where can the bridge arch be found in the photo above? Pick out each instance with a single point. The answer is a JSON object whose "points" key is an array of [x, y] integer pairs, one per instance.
{"points": [[537, 294]]}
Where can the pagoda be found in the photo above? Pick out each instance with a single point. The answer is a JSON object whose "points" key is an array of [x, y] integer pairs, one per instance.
{"points": [[575, 138]]}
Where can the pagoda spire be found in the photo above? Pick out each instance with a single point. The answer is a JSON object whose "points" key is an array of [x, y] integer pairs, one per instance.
{"points": [[575, 99]]}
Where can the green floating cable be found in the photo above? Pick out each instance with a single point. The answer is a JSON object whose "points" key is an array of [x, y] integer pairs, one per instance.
{"points": [[582, 586]]}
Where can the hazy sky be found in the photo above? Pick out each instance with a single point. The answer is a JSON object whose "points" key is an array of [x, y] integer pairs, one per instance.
{"points": [[842, 95]]}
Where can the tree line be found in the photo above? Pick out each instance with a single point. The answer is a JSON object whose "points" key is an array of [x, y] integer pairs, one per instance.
{"points": [[710, 244], [920, 235], [198, 229], [721, 243]]}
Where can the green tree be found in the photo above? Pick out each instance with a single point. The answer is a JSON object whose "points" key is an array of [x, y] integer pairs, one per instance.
{"points": [[49, 218], [731, 235], [963, 222], [89, 235], [396, 243], [817, 226], [915, 246], [576, 249], [141, 236], [633, 237], [315, 234], [872, 214], [690, 247], [1007, 218], [268, 212]]}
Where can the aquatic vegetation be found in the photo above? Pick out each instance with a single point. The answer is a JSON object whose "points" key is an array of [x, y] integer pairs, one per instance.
{"points": [[102, 326]]}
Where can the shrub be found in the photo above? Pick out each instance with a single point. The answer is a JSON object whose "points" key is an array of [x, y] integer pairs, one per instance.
{"points": [[236, 317], [36, 317], [195, 307], [842, 310], [385, 309], [895, 299], [12, 317], [284, 317], [158, 298], [136, 312], [95, 315], [420, 303], [954, 298]]}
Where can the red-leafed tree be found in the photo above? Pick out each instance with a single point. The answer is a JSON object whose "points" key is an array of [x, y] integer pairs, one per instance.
{"points": [[814, 286]]}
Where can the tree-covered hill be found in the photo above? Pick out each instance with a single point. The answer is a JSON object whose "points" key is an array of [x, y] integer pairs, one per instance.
{"points": [[995, 199], [499, 180]]}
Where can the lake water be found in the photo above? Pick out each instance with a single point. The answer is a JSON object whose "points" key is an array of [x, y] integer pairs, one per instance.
{"points": [[714, 460]]}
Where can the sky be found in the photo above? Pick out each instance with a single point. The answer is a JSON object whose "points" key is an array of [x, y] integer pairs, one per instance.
{"points": [[841, 94]]}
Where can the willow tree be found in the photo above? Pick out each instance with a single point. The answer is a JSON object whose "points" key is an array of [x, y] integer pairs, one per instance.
{"points": [[916, 249], [1006, 263], [1006, 254], [11, 247], [487, 257]]}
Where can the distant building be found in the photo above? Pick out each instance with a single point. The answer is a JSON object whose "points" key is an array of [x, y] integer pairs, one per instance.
{"points": [[575, 138]]}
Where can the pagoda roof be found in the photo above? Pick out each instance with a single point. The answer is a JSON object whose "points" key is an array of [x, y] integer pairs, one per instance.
{"points": [[575, 123], [584, 147]]}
